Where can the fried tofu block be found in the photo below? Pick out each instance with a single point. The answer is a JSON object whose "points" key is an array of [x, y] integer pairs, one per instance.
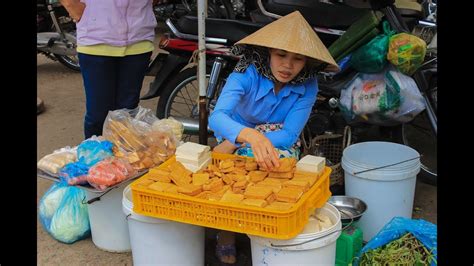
{"points": [[180, 179], [257, 176], [204, 195], [200, 179], [286, 165], [227, 170], [255, 202], [213, 185], [231, 197], [272, 198], [239, 171], [283, 175], [190, 190], [239, 162], [289, 194], [237, 178], [241, 184], [238, 190], [172, 189], [310, 181], [225, 164], [228, 180], [274, 186], [251, 166], [255, 192], [304, 185]]}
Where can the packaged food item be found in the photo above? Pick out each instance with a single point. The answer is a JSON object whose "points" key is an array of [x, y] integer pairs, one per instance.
{"points": [[136, 140], [109, 172], [53, 162], [176, 127]]}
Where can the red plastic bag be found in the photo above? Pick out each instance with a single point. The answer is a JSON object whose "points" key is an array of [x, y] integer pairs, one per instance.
{"points": [[109, 172]]}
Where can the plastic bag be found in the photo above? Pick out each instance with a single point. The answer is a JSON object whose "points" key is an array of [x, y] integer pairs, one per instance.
{"points": [[70, 222], [94, 150], [49, 203], [387, 98], [109, 172], [406, 52], [424, 231], [372, 57], [53, 162], [74, 173], [63, 214], [176, 127], [135, 140]]}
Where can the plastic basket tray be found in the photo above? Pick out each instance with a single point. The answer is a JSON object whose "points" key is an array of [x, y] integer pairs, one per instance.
{"points": [[231, 217]]}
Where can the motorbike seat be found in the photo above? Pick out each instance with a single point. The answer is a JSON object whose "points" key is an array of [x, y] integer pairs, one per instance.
{"points": [[334, 16], [232, 30]]}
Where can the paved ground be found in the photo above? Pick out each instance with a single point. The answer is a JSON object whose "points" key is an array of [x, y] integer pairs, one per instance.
{"points": [[61, 125]]}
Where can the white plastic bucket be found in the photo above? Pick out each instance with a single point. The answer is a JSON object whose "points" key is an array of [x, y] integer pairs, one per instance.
{"points": [[388, 192], [109, 228], [299, 250], [162, 242]]}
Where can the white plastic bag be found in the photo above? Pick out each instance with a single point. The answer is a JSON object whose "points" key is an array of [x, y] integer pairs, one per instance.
{"points": [[386, 98]]}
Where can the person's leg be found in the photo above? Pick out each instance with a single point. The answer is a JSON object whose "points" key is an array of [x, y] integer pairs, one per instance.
{"points": [[131, 73], [99, 77]]}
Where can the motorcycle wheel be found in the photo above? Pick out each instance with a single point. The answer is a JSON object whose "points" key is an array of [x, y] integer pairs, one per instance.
{"points": [[71, 62], [179, 99]]}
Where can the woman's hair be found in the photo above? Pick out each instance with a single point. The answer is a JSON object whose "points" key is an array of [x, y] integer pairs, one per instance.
{"points": [[260, 58]]}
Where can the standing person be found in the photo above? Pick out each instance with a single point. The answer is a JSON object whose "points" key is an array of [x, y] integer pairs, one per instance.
{"points": [[115, 43], [267, 100]]}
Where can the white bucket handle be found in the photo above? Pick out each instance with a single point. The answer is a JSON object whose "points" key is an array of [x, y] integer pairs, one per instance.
{"points": [[319, 237], [98, 197], [385, 166]]}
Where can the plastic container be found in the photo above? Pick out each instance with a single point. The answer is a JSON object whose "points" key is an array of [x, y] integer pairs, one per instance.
{"points": [[232, 217], [161, 242], [321, 251], [109, 227], [348, 245], [389, 191]]}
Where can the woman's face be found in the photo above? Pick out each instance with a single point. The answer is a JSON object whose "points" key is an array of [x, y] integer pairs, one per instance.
{"points": [[285, 65]]}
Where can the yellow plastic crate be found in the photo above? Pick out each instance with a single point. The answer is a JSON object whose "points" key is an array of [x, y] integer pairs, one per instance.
{"points": [[231, 217]]}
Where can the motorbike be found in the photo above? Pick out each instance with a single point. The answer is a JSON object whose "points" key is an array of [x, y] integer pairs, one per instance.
{"points": [[165, 9], [56, 34], [176, 84]]}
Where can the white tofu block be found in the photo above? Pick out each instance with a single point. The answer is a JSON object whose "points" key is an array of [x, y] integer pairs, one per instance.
{"points": [[192, 149], [196, 161], [194, 168], [311, 163]]}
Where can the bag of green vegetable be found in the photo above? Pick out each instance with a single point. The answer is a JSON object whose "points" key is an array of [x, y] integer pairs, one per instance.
{"points": [[402, 241], [63, 213]]}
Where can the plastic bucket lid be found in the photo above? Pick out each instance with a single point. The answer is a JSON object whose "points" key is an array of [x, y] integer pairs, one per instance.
{"points": [[321, 238], [127, 207], [372, 154]]}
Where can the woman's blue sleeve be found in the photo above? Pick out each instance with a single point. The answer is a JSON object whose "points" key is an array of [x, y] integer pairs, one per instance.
{"points": [[220, 121]]}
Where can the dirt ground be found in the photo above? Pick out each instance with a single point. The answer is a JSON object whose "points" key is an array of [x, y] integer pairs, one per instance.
{"points": [[61, 125]]}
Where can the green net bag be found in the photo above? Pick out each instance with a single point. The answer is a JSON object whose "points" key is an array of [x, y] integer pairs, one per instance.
{"points": [[372, 57]]}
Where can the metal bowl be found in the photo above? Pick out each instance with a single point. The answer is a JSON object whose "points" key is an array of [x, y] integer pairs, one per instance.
{"points": [[351, 208]]}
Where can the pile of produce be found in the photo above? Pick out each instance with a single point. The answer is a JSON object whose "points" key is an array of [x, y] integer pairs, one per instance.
{"points": [[407, 250]]}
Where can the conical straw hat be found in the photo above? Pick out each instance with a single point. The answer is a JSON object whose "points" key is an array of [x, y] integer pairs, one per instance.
{"points": [[293, 34]]}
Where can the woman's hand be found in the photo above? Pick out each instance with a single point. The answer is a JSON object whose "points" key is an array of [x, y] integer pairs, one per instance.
{"points": [[262, 148], [225, 147], [75, 8]]}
